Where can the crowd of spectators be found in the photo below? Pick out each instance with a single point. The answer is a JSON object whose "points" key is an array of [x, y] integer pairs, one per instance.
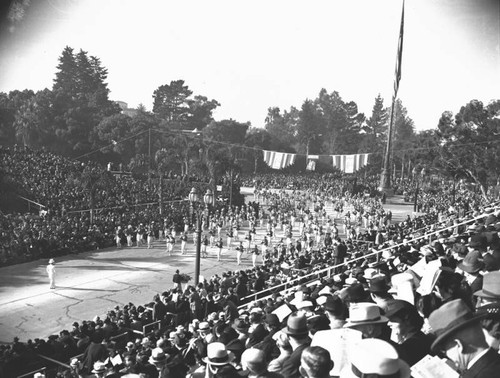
{"points": [[64, 223], [372, 299]]}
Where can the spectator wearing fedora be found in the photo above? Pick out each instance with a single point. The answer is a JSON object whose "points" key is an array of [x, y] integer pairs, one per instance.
{"points": [[489, 305], [379, 292], [217, 358], [298, 336], [460, 336], [253, 361], [335, 310], [99, 369], [406, 325], [375, 358], [366, 318], [471, 265]]}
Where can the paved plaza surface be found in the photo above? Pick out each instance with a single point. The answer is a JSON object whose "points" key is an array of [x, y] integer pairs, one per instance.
{"points": [[91, 283]]}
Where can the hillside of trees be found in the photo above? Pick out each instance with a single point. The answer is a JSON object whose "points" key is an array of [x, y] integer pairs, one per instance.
{"points": [[77, 119]]}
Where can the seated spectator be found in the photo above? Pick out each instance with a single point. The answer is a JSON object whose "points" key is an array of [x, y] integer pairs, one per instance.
{"points": [[375, 358], [366, 318], [254, 361], [315, 362], [298, 336], [460, 337], [406, 324], [285, 351]]}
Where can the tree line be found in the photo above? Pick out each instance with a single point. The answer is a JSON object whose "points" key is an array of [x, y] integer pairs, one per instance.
{"points": [[77, 118]]}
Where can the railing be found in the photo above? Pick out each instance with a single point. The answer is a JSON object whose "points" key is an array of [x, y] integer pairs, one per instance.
{"points": [[327, 271]]}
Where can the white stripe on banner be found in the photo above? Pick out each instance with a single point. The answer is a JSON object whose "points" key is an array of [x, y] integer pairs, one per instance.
{"points": [[278, 160], [350, 163]]}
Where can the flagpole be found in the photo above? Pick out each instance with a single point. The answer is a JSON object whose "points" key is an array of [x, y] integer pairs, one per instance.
{"points": [[385, 177]]}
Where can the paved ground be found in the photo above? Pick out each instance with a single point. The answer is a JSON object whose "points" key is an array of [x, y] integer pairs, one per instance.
{"points": [[90, 283]]}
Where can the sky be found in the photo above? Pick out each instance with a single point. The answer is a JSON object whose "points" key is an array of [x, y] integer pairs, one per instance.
{"points": [[253, 55]]}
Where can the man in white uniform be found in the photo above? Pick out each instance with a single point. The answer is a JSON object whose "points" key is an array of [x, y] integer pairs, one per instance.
{"points": [[51, 271]]}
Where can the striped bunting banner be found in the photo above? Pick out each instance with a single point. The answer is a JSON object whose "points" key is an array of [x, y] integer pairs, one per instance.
{"points": [[350, 163], [278, 160]]}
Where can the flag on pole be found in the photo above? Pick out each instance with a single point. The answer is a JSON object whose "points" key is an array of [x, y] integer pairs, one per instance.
{"points": [[399, 57], [278, 160]]}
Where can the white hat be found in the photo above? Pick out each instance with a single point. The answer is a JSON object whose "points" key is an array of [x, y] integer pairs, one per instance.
{"points": [[158, 357], [364, 313], [51, 261], [218, 355], [370, 273], [304, 304], [99, 367], [256, 310], [377, 357]]}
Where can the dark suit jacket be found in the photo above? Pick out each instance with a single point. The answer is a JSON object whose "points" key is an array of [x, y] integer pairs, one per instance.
{"points": [[291, 366], [94, 352], [415, 348], [257, 335], [488, 366]]}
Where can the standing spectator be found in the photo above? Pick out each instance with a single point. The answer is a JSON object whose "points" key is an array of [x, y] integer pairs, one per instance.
{"points": [[51, 271], [96, 351], [177, 280]]}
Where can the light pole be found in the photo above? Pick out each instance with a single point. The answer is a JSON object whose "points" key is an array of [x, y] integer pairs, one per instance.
{"points": [[198, 207]]}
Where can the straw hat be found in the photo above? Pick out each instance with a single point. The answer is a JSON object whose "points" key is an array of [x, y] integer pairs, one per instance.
{"points": [[375, 357], [364, 313], [217, 354], [99, 367]]}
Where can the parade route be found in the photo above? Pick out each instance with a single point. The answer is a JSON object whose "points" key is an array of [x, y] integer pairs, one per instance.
{"points": [[90, 283]]}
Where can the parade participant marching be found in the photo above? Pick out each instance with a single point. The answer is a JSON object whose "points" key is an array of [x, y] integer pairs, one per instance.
{"points": [[151, 235], [51, 271], [229, 234], [239, 251], [218, 245], [170, 244], [138, 236], [263, 245], [183, 243], [248, 240], [212, 237], [129, 233], [118, 237], [204, 246], [255, 253]]}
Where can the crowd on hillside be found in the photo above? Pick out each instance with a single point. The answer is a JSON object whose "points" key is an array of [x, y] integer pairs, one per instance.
{"points": [[427, 287]]}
